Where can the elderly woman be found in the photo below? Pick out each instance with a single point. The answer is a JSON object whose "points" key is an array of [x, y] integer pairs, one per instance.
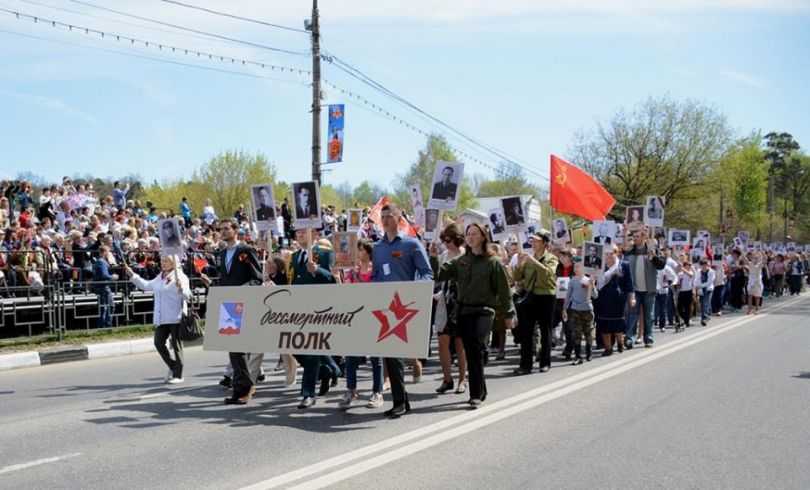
{"points": [[615, 290], [172, 294]]}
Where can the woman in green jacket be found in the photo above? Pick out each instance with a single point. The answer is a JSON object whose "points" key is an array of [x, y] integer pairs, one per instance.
{"points": [[483, 288]]}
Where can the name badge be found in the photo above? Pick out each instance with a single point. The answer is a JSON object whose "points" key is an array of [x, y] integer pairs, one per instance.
{"points": [[386, 269]]}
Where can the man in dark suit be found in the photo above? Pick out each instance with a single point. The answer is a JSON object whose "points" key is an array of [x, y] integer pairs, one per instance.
{"points": [[603, 234], [593, 259], [305, 204], [445, 189], [310, 267], [239, 266], [265, 208]]}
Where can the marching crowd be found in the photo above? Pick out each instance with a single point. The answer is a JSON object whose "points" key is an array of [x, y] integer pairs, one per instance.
{"points": [[74, 239]]}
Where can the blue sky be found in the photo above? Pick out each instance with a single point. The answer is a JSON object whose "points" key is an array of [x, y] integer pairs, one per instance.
{"points": [[520, 75]]}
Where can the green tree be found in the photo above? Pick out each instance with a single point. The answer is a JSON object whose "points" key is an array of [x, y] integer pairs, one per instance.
{"points": [[229, 175], [421, 173], [225, 179], [743, 176], [510, 180], [662, 147], [367, 193]]}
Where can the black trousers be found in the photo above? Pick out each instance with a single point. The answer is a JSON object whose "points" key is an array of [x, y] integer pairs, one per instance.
{"points": [[242, 381], [396, 375], [685, 306], [473, 330], [737, 291], [162, 332], [537, 312]]}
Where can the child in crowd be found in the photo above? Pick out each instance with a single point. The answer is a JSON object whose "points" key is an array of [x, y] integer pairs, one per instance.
{"points": [[579, 300]]}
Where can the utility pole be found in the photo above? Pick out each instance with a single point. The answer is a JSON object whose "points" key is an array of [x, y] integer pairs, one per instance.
{"points": [[316, 93], [771, 199]]}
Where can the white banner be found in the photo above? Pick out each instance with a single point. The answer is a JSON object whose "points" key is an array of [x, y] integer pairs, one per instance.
{"points": [[390, 319]]}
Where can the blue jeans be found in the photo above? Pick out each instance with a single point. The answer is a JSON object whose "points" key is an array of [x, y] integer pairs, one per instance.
{"points": [[705, 306], [661, 309], [376, 373], [311, 365], [717, 298], [106, 305], [647, 301]]}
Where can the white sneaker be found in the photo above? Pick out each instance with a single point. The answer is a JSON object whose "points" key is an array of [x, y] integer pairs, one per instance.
{"points": [[348, 400], [376, 401], [169, 376], [175, 381], [638, 340]]}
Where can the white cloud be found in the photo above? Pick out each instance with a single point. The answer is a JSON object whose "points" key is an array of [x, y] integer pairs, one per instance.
{"points": [[50, 103], [743, 78]]}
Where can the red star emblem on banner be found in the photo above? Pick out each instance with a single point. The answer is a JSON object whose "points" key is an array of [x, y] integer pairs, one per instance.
{"points": [[401, 316], [337, 113]]}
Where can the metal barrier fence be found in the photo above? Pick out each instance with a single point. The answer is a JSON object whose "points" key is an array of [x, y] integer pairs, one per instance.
{"points": [[66, 299]]}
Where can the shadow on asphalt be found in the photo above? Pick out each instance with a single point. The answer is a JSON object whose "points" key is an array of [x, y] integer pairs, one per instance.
{"points": [[802, 375]]}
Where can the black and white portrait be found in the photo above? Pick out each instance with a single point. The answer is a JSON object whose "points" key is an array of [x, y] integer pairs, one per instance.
{"points": [[431, 219], [654, 211], [744, 237], [634, 218], [170, 237], [513, 211], [497, 223], [604, 232], [307, 205], [559, 231], [418, 205], [446, 185], [264, 206], [678, 237], [717, 252], [660, 235], [592, 257]]}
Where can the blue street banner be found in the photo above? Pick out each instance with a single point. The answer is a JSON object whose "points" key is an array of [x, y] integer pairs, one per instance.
{"points": [[335, 144]]}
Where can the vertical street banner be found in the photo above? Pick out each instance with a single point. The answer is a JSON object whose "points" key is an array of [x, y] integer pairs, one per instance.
{"points": [[335, 145], [388, 319]]}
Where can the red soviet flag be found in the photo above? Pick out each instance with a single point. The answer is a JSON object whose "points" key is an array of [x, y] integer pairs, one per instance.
{"points": [[575, 192]]}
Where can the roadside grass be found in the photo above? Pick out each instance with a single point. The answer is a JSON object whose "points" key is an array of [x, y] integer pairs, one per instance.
{"points": [[75, 337]]}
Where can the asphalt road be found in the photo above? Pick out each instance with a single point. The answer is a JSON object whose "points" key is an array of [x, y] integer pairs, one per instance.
{"points": [[725, 406]]}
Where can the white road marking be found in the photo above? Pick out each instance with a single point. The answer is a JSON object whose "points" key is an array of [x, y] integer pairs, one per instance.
{"points": [[22, 466], [374, 455]]}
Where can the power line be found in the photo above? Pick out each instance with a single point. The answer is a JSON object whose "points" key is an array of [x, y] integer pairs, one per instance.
{"points": [[153, 44], [356, 73], [119, 21], [152, 58], [196, 31], [232, 16], [380, 111]]}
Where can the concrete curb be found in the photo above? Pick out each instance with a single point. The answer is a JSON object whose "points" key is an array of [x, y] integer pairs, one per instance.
{"points": [[124, 348], [81, 353], [19, 360], [64, 354]]}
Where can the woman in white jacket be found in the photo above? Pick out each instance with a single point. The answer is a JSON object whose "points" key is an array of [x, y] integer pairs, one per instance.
{"points": [[172, 294]]}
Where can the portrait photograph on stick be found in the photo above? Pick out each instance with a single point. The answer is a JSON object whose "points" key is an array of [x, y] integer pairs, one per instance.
{"points": [[354, 220], [417, 205], [654, 211], [264, 206], [593, 259], [559, 232], [307, 207], [497, 223], [678, 237], [603, 232], [431, 220], [170, 236], [345, 246], [446, 185], [634, 218], [513, 211]]}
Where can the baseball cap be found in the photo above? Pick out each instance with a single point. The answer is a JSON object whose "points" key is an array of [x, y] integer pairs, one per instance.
{"points": [[543, 234]]}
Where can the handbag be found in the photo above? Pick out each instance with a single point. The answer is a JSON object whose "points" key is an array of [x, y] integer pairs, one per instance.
{"points": [[524, 294], [190, 329]]}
